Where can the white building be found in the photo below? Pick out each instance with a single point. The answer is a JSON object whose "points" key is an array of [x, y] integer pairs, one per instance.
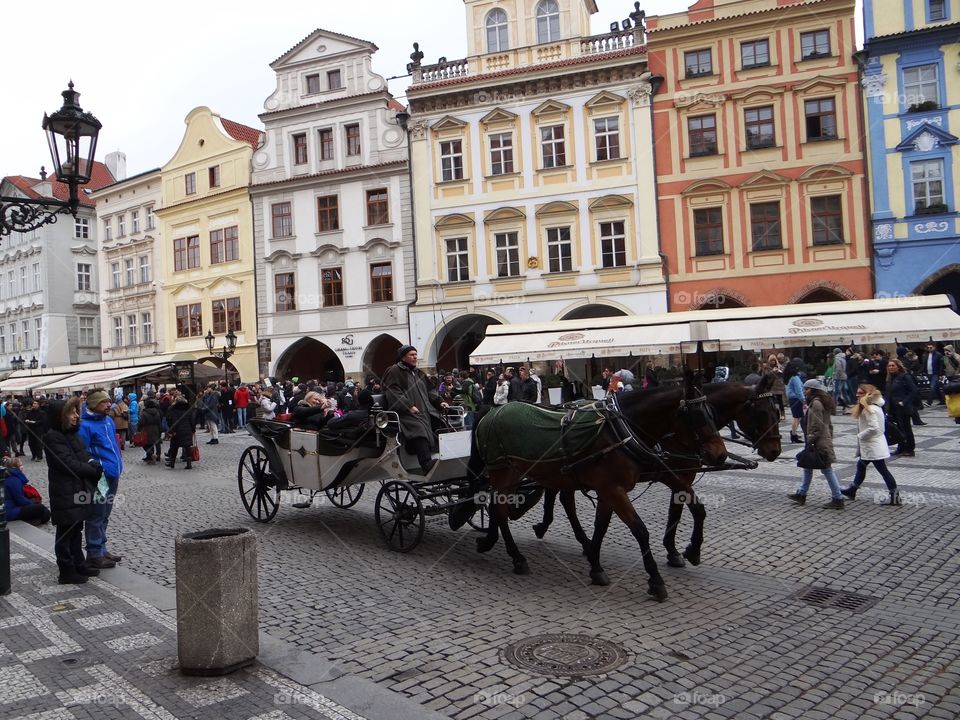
{"points": [[332, 225]]}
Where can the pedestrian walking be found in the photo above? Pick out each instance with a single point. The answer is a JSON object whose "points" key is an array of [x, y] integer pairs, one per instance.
{"points": [[72, 476], [119, 412], [180, 420], [267, 405], [795, 399], [35, 423], [818, 428], [901, 396], [151, 423], [840, 379], [211, 414], [871, 443], [99, 437], [241, 399]]}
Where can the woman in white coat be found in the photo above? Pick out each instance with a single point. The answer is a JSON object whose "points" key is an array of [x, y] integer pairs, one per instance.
{"points": [[873, 443]]}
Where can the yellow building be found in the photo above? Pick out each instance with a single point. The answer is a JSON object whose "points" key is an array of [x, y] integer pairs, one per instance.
{"points": [[206, 254]]}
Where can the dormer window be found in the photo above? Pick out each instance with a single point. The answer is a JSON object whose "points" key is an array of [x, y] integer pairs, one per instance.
{"points": [[497, 31], [548, 21]]}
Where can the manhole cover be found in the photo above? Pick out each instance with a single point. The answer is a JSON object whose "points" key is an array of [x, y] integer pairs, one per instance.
{"points": [[565, 655], [826, 597]]}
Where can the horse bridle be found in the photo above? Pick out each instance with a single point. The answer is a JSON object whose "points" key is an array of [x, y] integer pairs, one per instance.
{"points": [[752, 404]]}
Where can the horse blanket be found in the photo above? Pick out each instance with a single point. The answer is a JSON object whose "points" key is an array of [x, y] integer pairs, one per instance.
{"points": [[520, 431]]}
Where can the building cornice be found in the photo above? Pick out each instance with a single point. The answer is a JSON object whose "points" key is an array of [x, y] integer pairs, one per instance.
{"points": [[338, 173]]}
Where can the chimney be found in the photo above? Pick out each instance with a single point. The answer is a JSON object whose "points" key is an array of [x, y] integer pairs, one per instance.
{"points": [[116, 163], [44, 187]]}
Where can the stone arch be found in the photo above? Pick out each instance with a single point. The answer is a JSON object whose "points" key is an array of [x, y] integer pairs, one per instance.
{"points": [[719, 298], [309, 359], [822, 291], [589, 311], [457, 337], [380, 353]]}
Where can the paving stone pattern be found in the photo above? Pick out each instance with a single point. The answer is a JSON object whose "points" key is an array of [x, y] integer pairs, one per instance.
{"points": [[731, 640]]}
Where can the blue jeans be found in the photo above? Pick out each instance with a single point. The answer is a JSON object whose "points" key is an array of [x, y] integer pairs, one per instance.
{"points": [[935, 395], [241, 417], [830, 474], [95, 528], [881, 467]]}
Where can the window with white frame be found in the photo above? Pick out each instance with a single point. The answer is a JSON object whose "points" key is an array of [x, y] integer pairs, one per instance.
{"points": [[25, 326], [129, 274], [81, 228], [84, 276], [814, 44], [11, 285], [451, 160], [121, 225], [501, 153], [548, 21], [921, 87], [559, 250], [151, 218], [135, 221], [755, 53], [14, 340], [926, 178], [115, 275], [553, 146], [36, 277], [698, 63], [23, 280], [87, 332], [606, 133], [497, 39], [132, 329], [3, 341], [144, 268], [38, 326], [458, 260], [118, 332], [613, 244], [508, 254], [147, 321]]}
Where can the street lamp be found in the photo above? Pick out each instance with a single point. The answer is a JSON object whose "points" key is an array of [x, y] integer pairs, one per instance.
{"points": [[226, 353], [72, 137], [33, 363], [17, 363]]}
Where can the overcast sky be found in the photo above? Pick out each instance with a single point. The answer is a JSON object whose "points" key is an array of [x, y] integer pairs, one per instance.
{"points": [[141, 68]]}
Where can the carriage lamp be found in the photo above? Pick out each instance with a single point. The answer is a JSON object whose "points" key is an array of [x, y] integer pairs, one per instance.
{"points": [[386, 422], [72, 136]]}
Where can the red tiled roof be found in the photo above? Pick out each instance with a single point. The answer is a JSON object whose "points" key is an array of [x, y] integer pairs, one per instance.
{"points": [[395, 104], [338, 171], [243, 133], [100, 177], [652, 20], [582, 60], [329, 32]]}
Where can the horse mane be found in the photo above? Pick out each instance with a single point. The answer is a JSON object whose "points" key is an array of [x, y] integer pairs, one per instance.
{"points": [[631, 397]]}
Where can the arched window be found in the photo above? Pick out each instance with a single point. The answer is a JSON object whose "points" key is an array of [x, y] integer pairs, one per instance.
{"points": [[497, 31], [548, 21]]}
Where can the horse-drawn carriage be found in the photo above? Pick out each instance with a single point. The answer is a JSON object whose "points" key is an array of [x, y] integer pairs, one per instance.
{"points": [[339, 464]]}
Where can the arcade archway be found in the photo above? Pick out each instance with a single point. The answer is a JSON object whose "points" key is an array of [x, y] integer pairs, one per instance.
{"points": [[380, 354], [945, 281], [595, 310], [459, 338], [309, 359]]}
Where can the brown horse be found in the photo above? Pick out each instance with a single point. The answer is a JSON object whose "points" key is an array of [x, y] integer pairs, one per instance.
{"points": [[611, 465], [757, 416]]}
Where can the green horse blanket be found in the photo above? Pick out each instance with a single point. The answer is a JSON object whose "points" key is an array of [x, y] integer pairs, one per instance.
{"points": [[520, 431]]}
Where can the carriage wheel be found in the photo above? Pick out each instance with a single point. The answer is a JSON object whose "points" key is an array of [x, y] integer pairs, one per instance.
{"points": [[399, 515], [259, 496], [480, 520], [344, 497]]}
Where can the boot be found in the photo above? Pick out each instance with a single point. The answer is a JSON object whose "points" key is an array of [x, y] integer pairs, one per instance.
{"points": [[794, 438], [798, 498], [834, 504], [88, 571], [71, 577], [850, 492], [894, 499], [169, 463], [189, 465]]}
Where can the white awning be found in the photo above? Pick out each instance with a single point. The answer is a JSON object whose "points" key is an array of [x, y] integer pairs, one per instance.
{"points": [[94, 378], [29, 382]]}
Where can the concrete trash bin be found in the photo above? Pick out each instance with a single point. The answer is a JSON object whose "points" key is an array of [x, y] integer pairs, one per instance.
{"points": [[217, 624]]}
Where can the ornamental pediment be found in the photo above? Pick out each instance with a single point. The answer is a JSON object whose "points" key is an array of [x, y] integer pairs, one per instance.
{"points": [[604, 98], [819, 84], [498, 115], [454, 220], [610, 201], [926, 137], [226, 286], [506, 214], [550, 107], [556, 208], [705, 187], [764, 178], [448, 122], [824, 172], [758, 94], [188, 291]]}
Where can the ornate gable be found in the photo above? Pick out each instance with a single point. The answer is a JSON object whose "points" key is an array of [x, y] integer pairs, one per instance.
{"points": [[448, 122], [925, 138], [498, 115], [610, 201], [824, 172], [604, 98], [764, 178], [705, 187], [550, 107], [505, 214]]}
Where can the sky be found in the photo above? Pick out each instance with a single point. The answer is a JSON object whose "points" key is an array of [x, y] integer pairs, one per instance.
{"points": [[141, 69]]}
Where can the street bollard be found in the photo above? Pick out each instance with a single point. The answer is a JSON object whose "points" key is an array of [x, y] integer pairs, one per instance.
{"points": [[217, 623]]}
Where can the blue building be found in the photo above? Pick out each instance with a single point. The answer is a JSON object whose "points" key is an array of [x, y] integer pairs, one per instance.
{"points": [[910, 66]]}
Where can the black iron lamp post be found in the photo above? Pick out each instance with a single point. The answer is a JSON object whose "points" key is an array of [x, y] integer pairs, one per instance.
{"points": [[226, 353], [18, 363], [72, 136], [34, 363]]}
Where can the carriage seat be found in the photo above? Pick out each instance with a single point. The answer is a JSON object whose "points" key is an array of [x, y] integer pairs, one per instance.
{"points": [[379, 402]]}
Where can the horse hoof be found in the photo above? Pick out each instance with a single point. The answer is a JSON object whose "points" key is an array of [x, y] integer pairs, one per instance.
{"points": [[676, 560], [484, 544], [540, 530], [521, 568], [657, 592], [692, 555], [599, 578]]}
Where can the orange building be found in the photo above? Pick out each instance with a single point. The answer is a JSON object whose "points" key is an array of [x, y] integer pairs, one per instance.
{"points": [[759, 154]]}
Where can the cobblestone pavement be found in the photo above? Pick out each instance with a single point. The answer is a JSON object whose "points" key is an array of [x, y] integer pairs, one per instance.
{"points": [[732, 640]]}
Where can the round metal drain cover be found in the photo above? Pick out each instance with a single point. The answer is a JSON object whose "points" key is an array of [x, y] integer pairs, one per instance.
{"points": [[565, 655]]}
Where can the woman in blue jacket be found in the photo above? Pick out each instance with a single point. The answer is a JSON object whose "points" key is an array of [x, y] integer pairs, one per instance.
{"points": [[795, 397], [17, 505]]}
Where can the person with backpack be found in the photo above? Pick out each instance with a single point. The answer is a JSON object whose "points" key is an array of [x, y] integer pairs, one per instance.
{"points": [[471, 397]]}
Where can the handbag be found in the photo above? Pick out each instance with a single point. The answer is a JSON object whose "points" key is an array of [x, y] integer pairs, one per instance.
{"points": [[31, 493], [812, 459], [892, 431], [194, 450], [140, 438]]}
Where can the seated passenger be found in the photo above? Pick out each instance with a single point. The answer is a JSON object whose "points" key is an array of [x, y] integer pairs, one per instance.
{"points": [[356, 417], [312, 412]]}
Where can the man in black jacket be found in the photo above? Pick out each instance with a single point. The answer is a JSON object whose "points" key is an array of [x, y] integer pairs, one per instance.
{"points": [[932, 367], [523, 388]]}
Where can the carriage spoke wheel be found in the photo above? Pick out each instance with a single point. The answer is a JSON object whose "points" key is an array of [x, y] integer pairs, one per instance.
{"points": [[344, 497], [399, 515], [480, 520], [260, 496]]}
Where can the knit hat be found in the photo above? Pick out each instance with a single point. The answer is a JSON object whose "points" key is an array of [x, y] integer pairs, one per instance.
{"points": [[948, 348], [96, 397], [837, 351], [404, 349], [815, 384]]}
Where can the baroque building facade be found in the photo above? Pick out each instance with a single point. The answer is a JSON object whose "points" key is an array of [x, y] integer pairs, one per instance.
{"points": [[533, 176], [912, 100], [128, 241], [331, 214], [759, 153], [205, 260], [49, 285]]}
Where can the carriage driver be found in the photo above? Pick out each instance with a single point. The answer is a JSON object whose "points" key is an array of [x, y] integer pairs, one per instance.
{"points": [[418, 404]]}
